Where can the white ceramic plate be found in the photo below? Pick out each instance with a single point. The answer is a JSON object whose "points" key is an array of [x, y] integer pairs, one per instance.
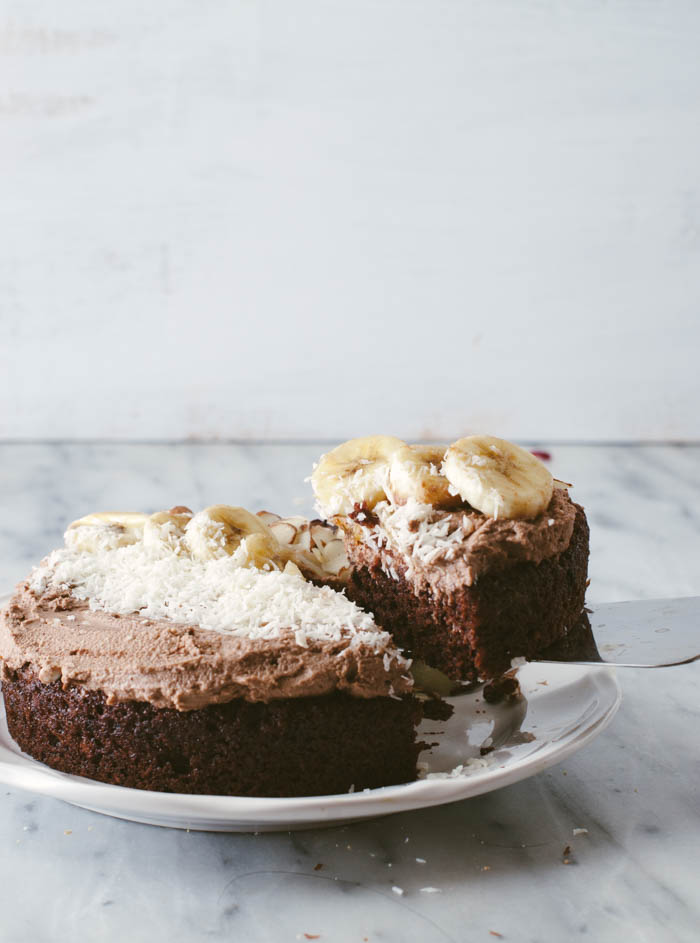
{"points": [[565, 707]]}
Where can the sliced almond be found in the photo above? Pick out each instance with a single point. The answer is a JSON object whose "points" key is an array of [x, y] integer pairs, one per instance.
{"points": [[284, 531], [291, 567], [269, 517], [321, 533], [299, 521], [334, 557]]}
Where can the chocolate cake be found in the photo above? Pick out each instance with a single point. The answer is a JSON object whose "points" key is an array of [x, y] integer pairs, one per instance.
{"points": [[469, 556], [202, 654]]}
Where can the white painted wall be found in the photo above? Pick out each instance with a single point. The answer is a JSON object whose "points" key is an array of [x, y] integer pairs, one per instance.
{"points": [[230, 218]]}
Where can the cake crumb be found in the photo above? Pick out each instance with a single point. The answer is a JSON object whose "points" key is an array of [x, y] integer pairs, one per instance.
{"points": [[67, 831], [502, 690], [567, 855]]}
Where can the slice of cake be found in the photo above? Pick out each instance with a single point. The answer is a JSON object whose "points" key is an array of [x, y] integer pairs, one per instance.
{"points": [[200, 654], [470, 555]]}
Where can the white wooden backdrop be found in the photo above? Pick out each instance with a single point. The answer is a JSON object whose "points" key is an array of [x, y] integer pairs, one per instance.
{"points": [[236, 218]]}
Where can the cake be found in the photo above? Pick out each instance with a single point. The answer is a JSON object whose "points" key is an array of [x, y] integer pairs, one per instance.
{"points": [[469, 555], [201, 653]]}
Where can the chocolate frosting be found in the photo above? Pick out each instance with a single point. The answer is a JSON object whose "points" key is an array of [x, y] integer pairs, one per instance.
{"points": [[186, 667], [486, 544]]}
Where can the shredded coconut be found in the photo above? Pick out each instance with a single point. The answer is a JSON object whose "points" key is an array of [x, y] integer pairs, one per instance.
{"points": [[217, 594], [411, 529]]}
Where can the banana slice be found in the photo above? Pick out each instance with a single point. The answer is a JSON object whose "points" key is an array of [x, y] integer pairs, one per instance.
{"points": [[165, 530], [414, 474], [354, 474], [498, 478], [106, 530], [261, 551], [220, 529]]}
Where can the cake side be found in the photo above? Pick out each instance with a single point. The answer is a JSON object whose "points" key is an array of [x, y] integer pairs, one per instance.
{"points": [[287, 747]]}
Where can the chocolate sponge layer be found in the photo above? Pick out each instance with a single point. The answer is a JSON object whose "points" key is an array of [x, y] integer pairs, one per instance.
{"points": [[295, 747], [475, 631]]}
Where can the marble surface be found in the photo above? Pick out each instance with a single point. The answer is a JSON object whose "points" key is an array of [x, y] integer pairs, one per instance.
{"points": [[497, 861]]}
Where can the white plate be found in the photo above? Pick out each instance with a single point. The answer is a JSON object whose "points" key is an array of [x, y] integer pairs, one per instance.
{"points": [[565, 707]]}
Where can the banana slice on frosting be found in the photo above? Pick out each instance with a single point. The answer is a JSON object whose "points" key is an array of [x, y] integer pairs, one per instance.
{"points": [[221, 529], [414, 474], [498, 478], [165, 530], [354, 473], [106, 530]]}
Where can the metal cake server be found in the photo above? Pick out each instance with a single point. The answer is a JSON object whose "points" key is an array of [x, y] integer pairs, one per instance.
{"points": [[649, 633]]}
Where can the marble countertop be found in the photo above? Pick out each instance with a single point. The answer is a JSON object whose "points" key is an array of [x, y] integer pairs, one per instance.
{"points": [[497, 860]]}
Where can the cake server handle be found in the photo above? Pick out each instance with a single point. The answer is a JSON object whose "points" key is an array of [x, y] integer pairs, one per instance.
{"points": [[648, 633]]}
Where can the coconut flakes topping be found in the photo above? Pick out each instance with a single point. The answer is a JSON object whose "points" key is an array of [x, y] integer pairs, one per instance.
{"points": [[412, 529], [217, 594]]}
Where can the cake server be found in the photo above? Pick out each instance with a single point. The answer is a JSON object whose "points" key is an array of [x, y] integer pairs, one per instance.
{"points": [[649, 633]]}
